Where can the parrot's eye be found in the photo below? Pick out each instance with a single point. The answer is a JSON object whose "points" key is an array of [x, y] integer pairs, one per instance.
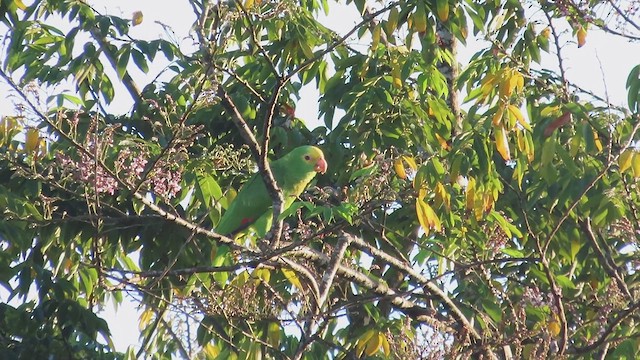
{"points": [[307, 157]]}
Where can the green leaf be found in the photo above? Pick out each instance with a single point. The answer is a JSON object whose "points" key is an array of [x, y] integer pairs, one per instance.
{"points": [[140, 61], [565, 282], [294, 208], [633, 86], [208, 191], [492, 309], [512, 252], [363, 172], [627, 350]]}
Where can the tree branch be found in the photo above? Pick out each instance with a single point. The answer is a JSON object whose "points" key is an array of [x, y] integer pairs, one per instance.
{"points": [[605, 334], [588, 187], [142, 198], [341, 40], [607, 262]]}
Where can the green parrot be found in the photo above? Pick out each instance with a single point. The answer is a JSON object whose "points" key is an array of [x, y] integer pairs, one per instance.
{"points": [[293, 172]]}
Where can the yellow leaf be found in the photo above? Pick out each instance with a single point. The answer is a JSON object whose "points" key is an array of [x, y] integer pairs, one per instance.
{"points": [[575, 247], [373, 344], [385, 346], [273, 334], [240, 279], [625, 160], [261, 274], [442, 8], [528, 149], [230, 196], [420, 18], [596, 141], [411, 162], [392, 21], [422, 215], [363, 341], [550, 111], [136, 18], [505, 89], [32, 140], [427, 217], [520, 140], [554, 327], [398, 166], [487, 202], [513, 80], [470, 193], [515, 112], [292, 277], [375, 37], [635, 165], [546, 32], [211, 351], [497, 117], [581, 34], [422, 193], [20, 5], [395, 73], [520, 82], [445, 145], [365, 69], [442, 196], [488, 85], [502, 144], [145, 319]]}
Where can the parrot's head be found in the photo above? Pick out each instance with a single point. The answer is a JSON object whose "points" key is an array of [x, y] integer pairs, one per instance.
{"points": [[311, 158]]}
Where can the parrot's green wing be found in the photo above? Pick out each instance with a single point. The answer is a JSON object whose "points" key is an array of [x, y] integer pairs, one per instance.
{"points": [[292, 172], [250, 203]]}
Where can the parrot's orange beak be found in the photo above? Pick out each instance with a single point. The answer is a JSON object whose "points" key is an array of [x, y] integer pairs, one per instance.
{"points": [[321, 166]]}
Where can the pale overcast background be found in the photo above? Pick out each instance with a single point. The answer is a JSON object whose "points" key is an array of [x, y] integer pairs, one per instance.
{"points": [[604, 60]]}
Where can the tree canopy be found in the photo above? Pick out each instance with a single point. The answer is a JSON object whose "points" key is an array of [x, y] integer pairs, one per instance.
{"points": [[483, 209]]}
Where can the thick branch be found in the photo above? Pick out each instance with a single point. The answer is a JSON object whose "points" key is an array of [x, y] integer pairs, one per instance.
{"points": [[381, 288], [330, 273], [427, 284]]}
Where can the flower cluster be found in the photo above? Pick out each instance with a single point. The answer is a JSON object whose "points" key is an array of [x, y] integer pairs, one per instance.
{"points": [[129, 167], [534, 296], [89, 170], [166, 183]]}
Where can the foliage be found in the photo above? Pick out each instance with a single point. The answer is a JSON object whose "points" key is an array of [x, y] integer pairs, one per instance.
{"points": [[505, 225]]}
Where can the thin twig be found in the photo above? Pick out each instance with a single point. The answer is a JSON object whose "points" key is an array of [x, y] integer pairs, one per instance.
{"points": [[556, 42], [325, 287], [341, 40], [605, 334], [607, 263], [588, 187]]}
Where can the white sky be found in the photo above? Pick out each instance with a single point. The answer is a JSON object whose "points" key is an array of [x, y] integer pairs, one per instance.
{"points": [[604, 59]]}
